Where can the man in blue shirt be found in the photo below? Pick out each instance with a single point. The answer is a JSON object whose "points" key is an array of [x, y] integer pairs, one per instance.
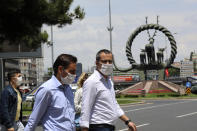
{"points": [[54, 100]]}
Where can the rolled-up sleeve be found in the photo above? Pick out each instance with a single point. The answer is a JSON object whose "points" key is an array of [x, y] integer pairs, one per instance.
{"points": [[88, 99], [42, 100], [120, 112]]}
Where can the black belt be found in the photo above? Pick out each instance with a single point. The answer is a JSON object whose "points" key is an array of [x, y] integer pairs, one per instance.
{"points": [[102, 126]]}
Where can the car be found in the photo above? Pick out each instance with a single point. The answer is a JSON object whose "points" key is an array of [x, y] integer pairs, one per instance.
{"points": [[24, 89], [194, 89], [30, 98]]}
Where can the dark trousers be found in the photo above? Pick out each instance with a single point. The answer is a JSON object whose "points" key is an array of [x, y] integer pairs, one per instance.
{"points": [[101, 127]]}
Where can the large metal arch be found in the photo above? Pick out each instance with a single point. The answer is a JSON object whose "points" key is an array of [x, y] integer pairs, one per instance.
{"points": [[133, 36]]}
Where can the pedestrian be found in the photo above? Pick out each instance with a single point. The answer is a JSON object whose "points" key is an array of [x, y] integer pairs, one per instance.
{"points": [[78, 98], [11, 104], [54, 100], [99, 106]]}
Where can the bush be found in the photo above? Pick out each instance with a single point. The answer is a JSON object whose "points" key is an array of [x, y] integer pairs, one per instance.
{"points": [[27, 106], [162, 95]]}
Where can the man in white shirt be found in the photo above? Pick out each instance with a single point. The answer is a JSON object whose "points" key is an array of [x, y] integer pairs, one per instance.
{"points": [[99, 106]]}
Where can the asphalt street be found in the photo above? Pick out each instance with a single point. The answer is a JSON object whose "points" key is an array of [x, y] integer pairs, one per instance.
{"points": [[160, 115]]}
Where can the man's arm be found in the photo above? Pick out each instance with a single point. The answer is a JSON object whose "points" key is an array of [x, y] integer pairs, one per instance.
{"points": [[128, 122], [124, 118], [42, 99], [88, 99]]}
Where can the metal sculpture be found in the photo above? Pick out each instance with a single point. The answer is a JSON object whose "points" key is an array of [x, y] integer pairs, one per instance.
{"points": [[152, 64], [160, 55], [143, 57], [150, 50]]}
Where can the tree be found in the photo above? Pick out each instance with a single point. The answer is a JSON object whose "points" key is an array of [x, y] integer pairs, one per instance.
{"points": [[174, 72], [50, 71], [21, 20]]}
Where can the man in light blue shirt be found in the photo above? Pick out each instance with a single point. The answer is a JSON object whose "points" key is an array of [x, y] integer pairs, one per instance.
{"points": [[54, 100]]}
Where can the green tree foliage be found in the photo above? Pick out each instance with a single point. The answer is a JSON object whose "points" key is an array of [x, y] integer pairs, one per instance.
{"points": [[174, 72], [50, 71], [21, 20]]}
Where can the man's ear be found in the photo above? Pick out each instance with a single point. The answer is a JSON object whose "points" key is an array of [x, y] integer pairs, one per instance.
{"points": [[60, 68], [96, 62]]}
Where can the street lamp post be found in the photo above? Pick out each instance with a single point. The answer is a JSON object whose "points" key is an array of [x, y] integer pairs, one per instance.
{"points": [[110, 29], [52, 52]]}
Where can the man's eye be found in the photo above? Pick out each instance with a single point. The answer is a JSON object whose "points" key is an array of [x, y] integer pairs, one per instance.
{"points": [[72, 72]]}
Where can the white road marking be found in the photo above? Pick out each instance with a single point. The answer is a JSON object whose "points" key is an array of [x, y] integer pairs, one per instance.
{"points": [[143, 125], [150, 107], [136, 126], [189, 114]]}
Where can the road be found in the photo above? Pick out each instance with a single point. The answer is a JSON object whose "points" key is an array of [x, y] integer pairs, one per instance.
{"points": [[161, 115]]}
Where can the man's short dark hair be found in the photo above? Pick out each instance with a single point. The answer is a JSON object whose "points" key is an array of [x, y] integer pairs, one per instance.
{"points": [[63, 60], [12, 73], [98, 55]]}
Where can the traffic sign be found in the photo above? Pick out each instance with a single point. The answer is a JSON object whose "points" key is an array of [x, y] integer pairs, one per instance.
{"points": [[188, 90], [188, 84]]}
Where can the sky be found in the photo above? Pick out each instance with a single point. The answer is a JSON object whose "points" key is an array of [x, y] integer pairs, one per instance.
{"points": [[85, 38]]}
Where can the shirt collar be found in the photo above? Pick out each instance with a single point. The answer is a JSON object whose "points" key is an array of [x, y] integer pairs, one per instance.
{"points": [[99, 76], [58, 83]]}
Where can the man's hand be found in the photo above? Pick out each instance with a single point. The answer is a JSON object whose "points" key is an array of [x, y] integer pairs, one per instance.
{"points": [[84, 129], [132, 126], [10, 129]]}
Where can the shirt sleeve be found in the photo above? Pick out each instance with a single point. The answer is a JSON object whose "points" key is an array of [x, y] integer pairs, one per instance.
{"points": [[77, 100], [88, 99], [120, 112], [42, 100]]}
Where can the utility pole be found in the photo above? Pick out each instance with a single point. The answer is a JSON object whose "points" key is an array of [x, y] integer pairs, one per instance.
{"points": [[52, 52], [110, 29]]}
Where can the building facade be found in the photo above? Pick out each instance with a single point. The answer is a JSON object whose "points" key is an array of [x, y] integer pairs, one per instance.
{"points": [[28, 69], [39, 70], [187, 68], [194, 59]]}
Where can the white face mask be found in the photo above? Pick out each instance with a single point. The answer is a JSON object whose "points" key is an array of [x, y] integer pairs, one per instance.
{"points": [[106, 69], [19, 81], [68, 79]]}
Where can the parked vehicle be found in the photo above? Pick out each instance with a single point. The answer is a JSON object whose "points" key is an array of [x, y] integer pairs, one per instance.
{"points": [[24, 89], [30, 98]]}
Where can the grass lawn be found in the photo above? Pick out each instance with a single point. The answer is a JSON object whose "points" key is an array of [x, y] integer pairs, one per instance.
{"points": [[26, 113]]}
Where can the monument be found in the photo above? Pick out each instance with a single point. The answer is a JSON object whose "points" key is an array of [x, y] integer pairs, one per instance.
{"points": [[148, 60], [151, 64]]}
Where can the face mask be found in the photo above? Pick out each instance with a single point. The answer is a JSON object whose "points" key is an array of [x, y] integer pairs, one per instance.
{"points": [[106, 69], [19, 81], [68, 79]]}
